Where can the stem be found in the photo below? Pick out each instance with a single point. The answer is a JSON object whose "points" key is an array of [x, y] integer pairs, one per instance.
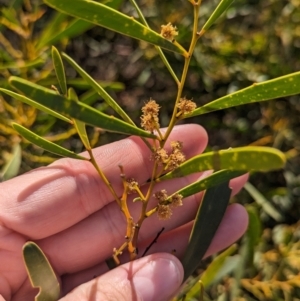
{"points": [[187, 60], [143, 214], [103, 177], [160, 52], [134, 228]]}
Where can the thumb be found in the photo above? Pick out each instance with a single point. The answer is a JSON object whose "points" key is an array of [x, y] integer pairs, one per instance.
{"points": [[155, 277]]}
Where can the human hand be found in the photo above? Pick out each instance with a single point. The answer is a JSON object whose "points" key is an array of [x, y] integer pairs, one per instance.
{"points": [[68, 211]]}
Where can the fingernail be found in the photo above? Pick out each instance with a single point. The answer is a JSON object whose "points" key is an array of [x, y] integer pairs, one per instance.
{"points": [[158, 279]]}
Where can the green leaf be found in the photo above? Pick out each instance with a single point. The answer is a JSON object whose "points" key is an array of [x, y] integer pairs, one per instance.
{"points": [[253, 234], [81, 84], [108, 99], [55, 33], [79, 125], [45, 144], [81, 130], [278, 87], [222, 265], [208, 182], [263, 202], [40, 273], [76, 110], [208, 219], [24, 64], [52, 28], [221, 8], [248, 158], [214, 271], [35, 104], [112, 19], [254, 230], [90, 97], [74, 28], [160, 52], [12, 166], [59, 70]]}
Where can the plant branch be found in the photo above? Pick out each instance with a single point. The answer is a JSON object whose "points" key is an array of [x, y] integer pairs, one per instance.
{"points": [[187, 60], [103, 177]]}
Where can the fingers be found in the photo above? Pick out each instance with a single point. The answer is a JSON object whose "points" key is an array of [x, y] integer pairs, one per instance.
{"points": [[93, 239], [155, 277], [51, 199], [232, 227]]}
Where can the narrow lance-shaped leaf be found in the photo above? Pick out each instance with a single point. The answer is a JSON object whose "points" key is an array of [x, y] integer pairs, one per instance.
{"points": [[50, 29], [45, 144], [24, 64], [221, 8], [59, 70], [108, 99], [208, 219], [248, 158], [53, 33], [208, 182], [278, 87], [79, 125], [81, 84], [212, 273], [35, 104], [11, 168], [264, 203], [160, 52], [112, 19], [76, 110], [40, 273], [254, 232]]}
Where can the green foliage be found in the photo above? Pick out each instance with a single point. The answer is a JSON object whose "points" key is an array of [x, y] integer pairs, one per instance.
{"points": [[221, 8], [45, 144], [279, 87], [208, 219], [215, 179], [242, 158], [59, 70], [27, 32], [40, 273], [66, 104], [58, 103], [112, 19], [90, 81], [12, 166]]}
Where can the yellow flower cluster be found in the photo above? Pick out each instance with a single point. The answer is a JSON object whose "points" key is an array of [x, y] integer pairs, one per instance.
{"points": [[185, 106], [149, 118], [132, 185], [165, 203], [169, 32], [170, 161]]}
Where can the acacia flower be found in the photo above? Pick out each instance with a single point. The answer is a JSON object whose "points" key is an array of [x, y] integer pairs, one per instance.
{"points": [[169, 31], [176, 200], [176, 157], [160, 155], [161, 195], [132, 185], [149, 119], [151, 107], [185, 106], [176, 145], [164, 211]]}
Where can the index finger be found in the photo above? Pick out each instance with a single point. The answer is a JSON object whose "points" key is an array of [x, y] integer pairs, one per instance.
{"points": [[48, 200]]}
